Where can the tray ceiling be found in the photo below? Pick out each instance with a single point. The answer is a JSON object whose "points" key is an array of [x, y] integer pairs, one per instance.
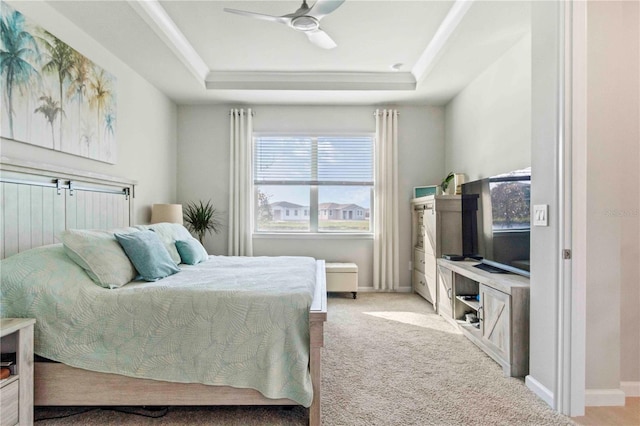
{"points": [[196, 53]]}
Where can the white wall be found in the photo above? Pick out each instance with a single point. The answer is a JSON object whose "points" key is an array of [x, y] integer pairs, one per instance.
{"points": [[146, 122], [203, 169], [488, 124], [612, 149], [203, 163], [504, 120], [544, 246], [613, 274]]}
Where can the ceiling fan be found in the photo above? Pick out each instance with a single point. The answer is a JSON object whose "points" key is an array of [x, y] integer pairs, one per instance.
{"points": [[306, 19]]}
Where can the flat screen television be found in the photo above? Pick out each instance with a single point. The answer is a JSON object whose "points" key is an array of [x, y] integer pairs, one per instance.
{"points": [[496, 221]]}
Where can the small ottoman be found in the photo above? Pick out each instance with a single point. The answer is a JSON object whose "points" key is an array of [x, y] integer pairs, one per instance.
{"points": [[342, 277]]}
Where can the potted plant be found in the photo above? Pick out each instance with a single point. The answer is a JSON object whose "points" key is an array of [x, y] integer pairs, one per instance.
{"points": [[201, 218], [445, 183]]}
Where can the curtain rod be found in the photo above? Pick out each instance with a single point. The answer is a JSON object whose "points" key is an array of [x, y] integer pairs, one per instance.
{"points": [[254, 113], [237, 109]]}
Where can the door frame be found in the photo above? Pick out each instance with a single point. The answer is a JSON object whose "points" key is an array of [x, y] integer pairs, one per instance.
{"points": [[569, 392]]}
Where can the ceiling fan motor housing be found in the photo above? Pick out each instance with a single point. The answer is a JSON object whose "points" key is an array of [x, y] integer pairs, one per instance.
{"points": [[305, 23]]}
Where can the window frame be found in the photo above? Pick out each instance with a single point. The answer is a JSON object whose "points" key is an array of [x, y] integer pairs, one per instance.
{"points": [[314, 211]]}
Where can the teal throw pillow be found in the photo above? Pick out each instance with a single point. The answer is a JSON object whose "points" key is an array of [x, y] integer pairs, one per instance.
{"points": [[168, 233], [147, 253], [191, 251]]}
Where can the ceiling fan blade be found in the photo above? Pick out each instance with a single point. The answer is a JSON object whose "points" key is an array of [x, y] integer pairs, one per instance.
{"points": [[321, 39], [281, 19], [324, 7]]}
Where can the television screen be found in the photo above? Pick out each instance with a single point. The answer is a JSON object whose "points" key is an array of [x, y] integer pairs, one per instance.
{"points": [[496, 221]]}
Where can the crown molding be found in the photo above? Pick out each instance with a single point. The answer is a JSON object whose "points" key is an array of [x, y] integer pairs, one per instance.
{"points": [[159, 21], [255, 80], [431, 54]]}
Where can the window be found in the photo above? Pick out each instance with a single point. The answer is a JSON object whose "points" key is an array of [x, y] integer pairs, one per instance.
{"points": [[329, 178]]}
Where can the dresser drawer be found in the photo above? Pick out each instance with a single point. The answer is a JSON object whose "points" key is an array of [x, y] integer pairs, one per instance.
{"points": [[425, 286], [419, 282], [9, 404], [418, 260], [429, 265]]}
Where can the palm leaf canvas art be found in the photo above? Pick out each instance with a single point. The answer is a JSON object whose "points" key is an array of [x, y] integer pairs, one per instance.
{"points": [[52, 95]]}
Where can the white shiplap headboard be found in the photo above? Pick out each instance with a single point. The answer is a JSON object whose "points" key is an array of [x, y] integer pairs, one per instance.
{"points": [[39, 201]]}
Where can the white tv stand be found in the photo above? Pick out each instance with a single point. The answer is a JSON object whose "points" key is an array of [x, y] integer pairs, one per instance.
{"points": [[501, 305]]}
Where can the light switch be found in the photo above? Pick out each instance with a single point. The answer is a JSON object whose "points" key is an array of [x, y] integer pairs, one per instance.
{"points": [[540, 215]]}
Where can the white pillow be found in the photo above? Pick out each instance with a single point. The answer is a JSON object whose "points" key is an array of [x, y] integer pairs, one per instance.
{"points": [[100, 255]]}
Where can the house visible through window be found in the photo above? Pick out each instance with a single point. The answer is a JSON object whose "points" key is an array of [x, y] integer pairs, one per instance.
{"points": [[326, 181]]}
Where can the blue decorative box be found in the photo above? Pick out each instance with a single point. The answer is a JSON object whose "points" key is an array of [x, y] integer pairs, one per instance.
{"points": [[423, 191]]}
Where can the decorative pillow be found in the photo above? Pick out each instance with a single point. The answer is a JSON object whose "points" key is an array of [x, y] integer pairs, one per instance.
{"points": [[191, 251], [100, 255], [148, 254], [169, 233]]}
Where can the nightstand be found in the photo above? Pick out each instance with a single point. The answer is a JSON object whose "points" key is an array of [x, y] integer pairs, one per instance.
{"points": [[16, 391]]}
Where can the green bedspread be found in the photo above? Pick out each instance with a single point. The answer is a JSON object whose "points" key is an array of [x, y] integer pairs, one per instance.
{"points": [[236, 321]]}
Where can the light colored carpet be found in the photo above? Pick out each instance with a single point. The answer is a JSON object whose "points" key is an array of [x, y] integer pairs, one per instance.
{"points": [[388, 360]]}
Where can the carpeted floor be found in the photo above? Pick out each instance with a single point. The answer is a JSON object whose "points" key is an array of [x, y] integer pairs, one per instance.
{"points": [[388, 360]]}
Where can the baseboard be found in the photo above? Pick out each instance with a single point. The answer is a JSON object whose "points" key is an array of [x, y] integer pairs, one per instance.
{"points": [[603, 397], [630, 388], [375, 290], [539, 389], [592, 397], [367, 290]]}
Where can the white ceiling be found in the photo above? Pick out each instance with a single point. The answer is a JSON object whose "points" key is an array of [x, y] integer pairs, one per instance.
{"points": [[222, 50]]}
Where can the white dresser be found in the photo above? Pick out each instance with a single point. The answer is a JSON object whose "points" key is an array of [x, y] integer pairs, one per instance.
{"points": [[436, 230]]}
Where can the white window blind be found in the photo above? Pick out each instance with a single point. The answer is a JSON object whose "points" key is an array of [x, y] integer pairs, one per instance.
{"points": [[329, 178], [313, 161], [283, 161], [345, 161]]}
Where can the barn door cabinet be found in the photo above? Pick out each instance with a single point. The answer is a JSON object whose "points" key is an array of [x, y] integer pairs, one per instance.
{"points": [[492, 310]]}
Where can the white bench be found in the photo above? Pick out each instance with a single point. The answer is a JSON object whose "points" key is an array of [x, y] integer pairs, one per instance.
{"points": [[342, 277]]}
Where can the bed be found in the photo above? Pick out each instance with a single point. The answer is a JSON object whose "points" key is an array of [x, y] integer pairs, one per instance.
{"points": [[40, 203]]}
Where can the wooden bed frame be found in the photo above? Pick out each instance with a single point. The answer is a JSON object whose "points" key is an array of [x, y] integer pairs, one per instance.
{"points": [[59, 384], [27, 189]]}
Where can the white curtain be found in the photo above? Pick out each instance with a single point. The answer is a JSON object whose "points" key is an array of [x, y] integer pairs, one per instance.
{"points": [[386, 272], [240, 183]]}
